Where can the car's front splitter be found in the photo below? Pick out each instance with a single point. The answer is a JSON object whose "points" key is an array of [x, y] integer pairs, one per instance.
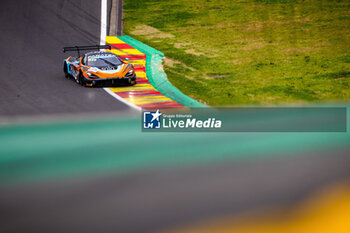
{"points": [[111, 81]]}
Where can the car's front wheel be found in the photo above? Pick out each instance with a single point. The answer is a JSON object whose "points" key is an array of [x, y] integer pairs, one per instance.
{"points": [[132, 82], [81, 80], [65, 70]]}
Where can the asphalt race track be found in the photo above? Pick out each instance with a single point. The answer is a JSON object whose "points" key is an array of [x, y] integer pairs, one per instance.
{"points": [[32, 36]]}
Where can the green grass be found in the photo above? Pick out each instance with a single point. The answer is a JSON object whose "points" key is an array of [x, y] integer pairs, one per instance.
{"points": [[243, 52]]}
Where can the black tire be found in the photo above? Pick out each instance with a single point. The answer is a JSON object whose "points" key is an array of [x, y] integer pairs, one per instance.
{"points": [[132, 84], [65, 70], [81, 80]]}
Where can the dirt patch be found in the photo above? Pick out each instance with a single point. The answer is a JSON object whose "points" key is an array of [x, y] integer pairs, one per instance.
{"points": [[193, 52], [258, 26], [341, 77], [181, 45], [252, 46], [246, 40], [169, 62], [219, 76], [145, 30], [292, 21], [253, 27], [322, 44], [223, 25], [240, 61], [299, 50], [160, 35], [150, 32]]}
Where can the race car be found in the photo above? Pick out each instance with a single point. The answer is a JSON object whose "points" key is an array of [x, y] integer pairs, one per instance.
{"points": [[98, 68]]}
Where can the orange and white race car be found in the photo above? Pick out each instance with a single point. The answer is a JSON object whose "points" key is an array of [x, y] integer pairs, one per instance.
{"points": [[99, 68]]}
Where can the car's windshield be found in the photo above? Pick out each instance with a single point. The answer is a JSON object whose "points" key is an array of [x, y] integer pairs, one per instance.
{"points": [[103, 60]]}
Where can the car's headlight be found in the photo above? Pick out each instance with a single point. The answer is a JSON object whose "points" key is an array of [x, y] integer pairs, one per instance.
{"points": [[93, 69], [91, 75], [130, 73]]}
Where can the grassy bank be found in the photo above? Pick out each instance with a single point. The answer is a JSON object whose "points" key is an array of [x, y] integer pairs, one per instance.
{"points": [[228, 52]]}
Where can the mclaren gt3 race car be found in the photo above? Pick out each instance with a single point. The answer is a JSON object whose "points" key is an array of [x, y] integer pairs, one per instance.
{"points": [[98, 68]]}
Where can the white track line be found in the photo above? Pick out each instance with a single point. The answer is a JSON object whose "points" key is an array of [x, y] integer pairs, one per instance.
{"points": [[103, 22], [102, 42]]}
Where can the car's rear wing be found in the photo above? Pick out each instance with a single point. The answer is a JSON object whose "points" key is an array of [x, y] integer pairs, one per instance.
{"points": [[84, 48]]}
